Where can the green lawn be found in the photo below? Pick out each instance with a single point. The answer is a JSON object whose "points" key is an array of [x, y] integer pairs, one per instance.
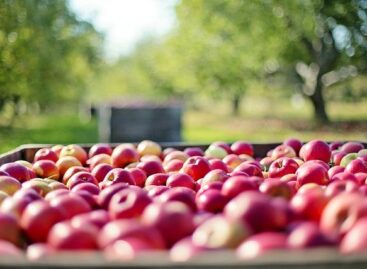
{"points": [[258, 122]]}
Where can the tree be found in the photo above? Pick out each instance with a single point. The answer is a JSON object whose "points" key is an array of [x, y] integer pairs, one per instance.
{"points": [[46, 53]]}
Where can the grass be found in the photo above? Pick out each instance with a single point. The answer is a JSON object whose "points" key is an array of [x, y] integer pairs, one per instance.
{"points": [[261, 120]]}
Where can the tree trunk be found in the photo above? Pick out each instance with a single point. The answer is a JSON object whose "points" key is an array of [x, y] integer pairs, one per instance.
{"points": [[236, 102], [318, 103]]}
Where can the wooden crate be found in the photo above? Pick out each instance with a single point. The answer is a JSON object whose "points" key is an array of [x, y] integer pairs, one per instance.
{"points": [[314, 258]]}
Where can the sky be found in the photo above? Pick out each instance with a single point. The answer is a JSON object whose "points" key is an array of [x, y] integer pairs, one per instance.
{"points": [[125, 22]]}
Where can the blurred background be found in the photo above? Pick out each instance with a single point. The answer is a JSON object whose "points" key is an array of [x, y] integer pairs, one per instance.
{"points": [[259, 70]]}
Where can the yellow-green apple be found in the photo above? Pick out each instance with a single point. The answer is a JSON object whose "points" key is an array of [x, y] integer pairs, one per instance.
{"points": [[9, 185], [147, 147], [215, 152]]}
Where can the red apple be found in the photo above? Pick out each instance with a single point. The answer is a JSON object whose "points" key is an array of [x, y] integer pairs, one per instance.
{"points": [[351, 147], [335, 170], [176, 155], [242, 147], [98, 159], [179, 194], [160, 216], [185, 250], [128, 203], [315, 150], [106, 194], [249, 169], [218, 164], [70, 204], [53, 194], [98, 149], [197, 167], [173, 166], [283, 151], [46, 169], [335, 145], [237, 184], [9, 228], [39, 185], [194, 151], [39, 251], [123, 156], [81, 177], [216, 175], [101, 170], [339, 186], [75, 151], [276, 188], [97, 218], [283, 166], [57, 149], [293, 143], [337, 157], [181, 180], [46, 154], [157, 179], [92, 188], [312, 173], [344, 176], [232, 161], [139, 176], [71, 171], [361, 178], [155, 191], [127, 249], [355, 240], [117, 175], [212, 201], [356, 166], [38, 218], [151, 167], [16, 171]]}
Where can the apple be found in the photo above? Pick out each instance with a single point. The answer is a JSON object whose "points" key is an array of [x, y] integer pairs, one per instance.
{"points": [[155, 191], [39, 251], [173, 166], [356, 166], [99, 149], [16, 171], [335, 145], [197, 167], [101, 170], [81, 177], [219, 232], [176, 155], [214, 151], [9, 184], [8, 249], [223, 145], [38, 218], [161, 215], [3, 196], [294, 143], [342, 212], [242, 147], [70, 204], [344, 176], [348, 158], [309, 205], [335, 170], [122, 156], [312, 173], [53, 194], [255, 210], [129, 228], [75, 151], [212, 201], [218, 164], [249, 169], [260, 243], [339, 186], [64, 163], [117, 175], [276, 188], [216, 175], [64, 236], [355, 240], [236, 185], [147, 147], [351, 147], [315, 150], [9, 229], [92, 188], [46, 168], [178, 194], [167, 151], [71, 171], [185, 250], [157, 179], [97, 218], [39, 185], [337, 157], [107, 193], [283, 151], [127, 249], [211, 186], [128, 203], [181, 180], [57, 149], [266, 162], [232, 161], [139, 176], [361, 178], [194, 151], [45, 154], [283, 166], [308, 234], [91, 199], [151, 167], [25, 163], [98, 159]]}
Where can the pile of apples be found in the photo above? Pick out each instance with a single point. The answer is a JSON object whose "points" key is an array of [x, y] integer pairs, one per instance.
{"points": [[133, 199]]}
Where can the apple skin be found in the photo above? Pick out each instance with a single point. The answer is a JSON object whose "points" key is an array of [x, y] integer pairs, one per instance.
{"points": [[310, 204], [38, 218], [101, 170], [249, 169], [173, 166], [148, 147], [335, 170], [258, 244], [9, 229], [223, 145], [46, 169], [155, 191], [348, 158], [161, 215], [139, 176], [234, 185], [357, 166], [337, 157], [53, 194], [86, 186], [128, 203], [176, 155], [312, 173], [129, 228], [80, 178], [16, 171], [218, 164], [57, 149], [218, 232], [151, 167], [218, 185], [308, 234], [99, 149], [361, 178], [194, 151], [157, 179], [344, 176], [216, 175], [282, 167], [335, 145], [283, 151], [256, 210], [9, 184], [181, 180], [63, 236], [315, 150], [179, 194], [242, 147], [355, 240], [122, 156], [75, 151], [71, 171], [39, 185], [337, 187], [232, 161], [276, 188], [70, 204], [212, 201], [214, 151], [196, 167], [64, 163], [16, 204], [39, 251], [351, 147], [127, 249], [9, 249], [107, 193], [294, 143], [98, 159], [342, 212], [185, 250], [117, 175], [45, 154], [98, 218]]}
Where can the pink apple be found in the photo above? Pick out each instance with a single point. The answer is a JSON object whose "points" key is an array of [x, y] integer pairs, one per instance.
{"points": [[185, 250], [357, 166], [97, 218], [155, 191], [293, 143], [335, 170], [87, 186], [283, 151], [39, 251], [100, 171], [283, 166], [351, 147], [194, 151], [355, 240], [10, 250], [339, 186], [181, 180], [344, 176], [218, 164], [211, 201], [249, 169], [237, 184], [16, 171], [139, 176], [173, 166], [179, 194], [312, 173], [157, 179], [197, 167], [98, 149], [70, 204], [151, 167], [45, 154], [107, 193], [117, 175], [123, 156], [315, 150], [242, 147]]}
